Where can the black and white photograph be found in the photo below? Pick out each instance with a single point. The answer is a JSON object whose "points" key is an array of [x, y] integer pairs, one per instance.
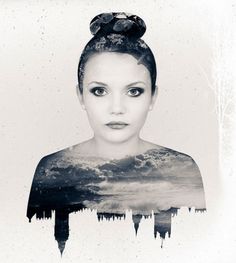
{"points": [[117, 126]]}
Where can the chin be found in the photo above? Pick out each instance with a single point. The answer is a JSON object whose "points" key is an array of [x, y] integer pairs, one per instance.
{"points": [[117, 137]]}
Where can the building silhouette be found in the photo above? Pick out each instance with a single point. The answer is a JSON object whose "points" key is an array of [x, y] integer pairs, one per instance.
{"points": [[61, 229], [162, 222], [108, 216], [136, 220]]}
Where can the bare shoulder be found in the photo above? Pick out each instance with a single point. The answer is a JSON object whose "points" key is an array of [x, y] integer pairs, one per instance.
{"points": [[64, 158], [61, 158], [172, 157]]}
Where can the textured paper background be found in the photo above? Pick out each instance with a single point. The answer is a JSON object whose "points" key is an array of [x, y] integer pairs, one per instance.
{"points": [[194, 45]]}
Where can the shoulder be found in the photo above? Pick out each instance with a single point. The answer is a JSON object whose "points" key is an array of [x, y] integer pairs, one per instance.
{"points": [[173, 159], [164, 151], [161, 151], [59, 159]]}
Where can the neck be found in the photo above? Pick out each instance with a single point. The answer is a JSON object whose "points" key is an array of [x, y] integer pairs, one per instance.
{"points": [[117, 150]]}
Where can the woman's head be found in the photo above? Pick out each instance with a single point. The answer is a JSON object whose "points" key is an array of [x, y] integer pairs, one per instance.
{"points": [[120, 33], [116, 96], [117, 74]]}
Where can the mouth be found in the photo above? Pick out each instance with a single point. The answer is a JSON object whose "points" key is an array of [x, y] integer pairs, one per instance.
{"points": [[117, 125]]}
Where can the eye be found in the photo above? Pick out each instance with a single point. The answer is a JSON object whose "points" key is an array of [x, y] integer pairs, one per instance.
{"points": [[135, 92], [98, 91]]}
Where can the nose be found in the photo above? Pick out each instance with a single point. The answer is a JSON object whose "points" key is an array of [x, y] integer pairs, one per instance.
{"points": [[117, 105]]}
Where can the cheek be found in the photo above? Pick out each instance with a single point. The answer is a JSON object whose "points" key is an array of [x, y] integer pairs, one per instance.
{"points": [[140, 115], [94, 110], [93, 114], [140, 107]]}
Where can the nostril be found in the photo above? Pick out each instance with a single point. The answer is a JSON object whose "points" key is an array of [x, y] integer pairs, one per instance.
{"points": [[117, 109]]}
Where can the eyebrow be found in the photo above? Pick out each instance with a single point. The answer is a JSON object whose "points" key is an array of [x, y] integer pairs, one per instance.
{"points": [[101, 83], [134, 83], [97, 82]]}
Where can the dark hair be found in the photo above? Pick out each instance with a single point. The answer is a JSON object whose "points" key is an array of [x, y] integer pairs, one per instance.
{"points": [[118, 32]]}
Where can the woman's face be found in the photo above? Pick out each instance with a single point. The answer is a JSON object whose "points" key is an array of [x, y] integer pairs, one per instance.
{"points": [[116, 96]]}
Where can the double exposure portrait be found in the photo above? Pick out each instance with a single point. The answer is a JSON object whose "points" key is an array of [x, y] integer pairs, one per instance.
{"points": [[116, 170]]}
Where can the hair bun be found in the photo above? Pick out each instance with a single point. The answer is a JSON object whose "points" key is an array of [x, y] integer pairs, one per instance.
{"points": [[117, 23]]}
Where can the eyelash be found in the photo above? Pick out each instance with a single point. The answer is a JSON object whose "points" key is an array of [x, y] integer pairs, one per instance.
{"points": [[140, 91], [101, 89], [95, 89]]}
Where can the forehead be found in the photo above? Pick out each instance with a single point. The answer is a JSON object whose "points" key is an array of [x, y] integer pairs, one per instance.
{"points": [[117, 67]]}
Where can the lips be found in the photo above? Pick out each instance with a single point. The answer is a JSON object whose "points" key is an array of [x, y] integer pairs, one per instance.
{"points": [[117, 125]]}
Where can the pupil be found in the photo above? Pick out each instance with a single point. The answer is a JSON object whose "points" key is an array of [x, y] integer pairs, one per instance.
{"points": [[134, 92], [99, 91]]}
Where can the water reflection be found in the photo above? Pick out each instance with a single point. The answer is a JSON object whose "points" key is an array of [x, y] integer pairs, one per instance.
{"points": [[156, 183]]}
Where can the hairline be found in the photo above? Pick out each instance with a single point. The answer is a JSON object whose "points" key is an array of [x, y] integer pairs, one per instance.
{"points": [[94, 53]]}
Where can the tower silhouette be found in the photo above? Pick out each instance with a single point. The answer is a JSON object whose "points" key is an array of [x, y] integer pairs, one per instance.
{"points": [[61, 230], [136, 220], [162, 223]]}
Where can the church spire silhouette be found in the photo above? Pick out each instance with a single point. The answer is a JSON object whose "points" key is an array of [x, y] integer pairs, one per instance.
{"points": [[61, 228], [136, 220], [61, 246]]}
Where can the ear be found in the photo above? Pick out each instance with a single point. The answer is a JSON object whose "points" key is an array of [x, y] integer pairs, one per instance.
{"points": [[80, 96], [154, 97]]}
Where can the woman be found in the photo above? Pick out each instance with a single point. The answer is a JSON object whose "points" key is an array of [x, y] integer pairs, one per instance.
{"points": [[116, 170], [118, 93]]}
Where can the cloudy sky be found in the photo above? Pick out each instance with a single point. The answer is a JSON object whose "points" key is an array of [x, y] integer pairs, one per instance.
{"points": [[155, 180]]}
